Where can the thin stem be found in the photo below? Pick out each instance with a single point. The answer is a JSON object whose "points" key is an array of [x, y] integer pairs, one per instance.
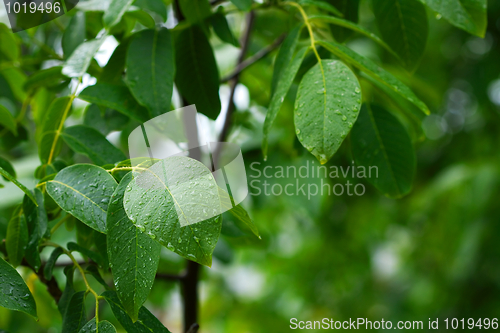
{"points": [[82, 273], [61, 124], [253, 59], [58, 224], [308, 25]]}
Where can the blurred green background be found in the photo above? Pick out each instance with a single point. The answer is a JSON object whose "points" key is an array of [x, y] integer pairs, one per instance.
{"points": [[432, 254]]}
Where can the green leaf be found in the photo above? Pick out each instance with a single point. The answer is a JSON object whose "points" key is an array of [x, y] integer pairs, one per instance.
{"points": [[221, 28], [79, 61], [14, 293], [37, 221], [195, 11], [403, 25], [96, 257], [68, 292], [285, 55], [354, 27], [133, 255], [327, 105], [146, 323], [379, 140], [115, 11], [375, 71], [9, 46], [322, 5], [74, 35], [279, 95], [349, 9], [142, 17], [469, 15], [49, 144], [7, 167], [197, 76], [104, 327], [49, 265], [115, 97], [45, 78], [7, 120], [74, 317], [163, 202], [8, 176], [84, 191], [150, 69], [88, 141], [112, 73], [243, 5], [16, 240], [242, 216]]}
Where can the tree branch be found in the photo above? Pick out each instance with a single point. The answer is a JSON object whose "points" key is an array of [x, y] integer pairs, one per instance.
{"points": [[245, 41], [253, 59]]}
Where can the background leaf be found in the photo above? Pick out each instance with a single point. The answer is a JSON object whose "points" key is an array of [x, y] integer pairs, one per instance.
{"points": [[115, 11], [74, 35], [49, 265], [16, 240], [379, 140], [279, 95], [285, 55], [14, 293], [403, 25], [349, 9], [79, 61], [195, 11], [74, 317], [37, 221], [150, 69], [197, 76], [115, 97], [88, 141], [327, 105], [133, 255], [8, 168], [7, 120], [469, 15], [84, 190], [243, 5], [221, 28]]}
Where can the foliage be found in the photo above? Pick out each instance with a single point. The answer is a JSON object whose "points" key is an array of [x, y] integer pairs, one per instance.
{"points": [[344, 101]]}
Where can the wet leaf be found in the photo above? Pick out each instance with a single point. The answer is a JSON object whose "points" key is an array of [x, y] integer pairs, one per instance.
{"points": [[176, 202], [84, 190], [133, 255], [14, 293], [327, 106]]}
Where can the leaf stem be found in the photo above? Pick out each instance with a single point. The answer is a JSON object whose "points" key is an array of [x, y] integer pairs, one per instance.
{"points": [[82, 273], [58, 224], [61, 124]]}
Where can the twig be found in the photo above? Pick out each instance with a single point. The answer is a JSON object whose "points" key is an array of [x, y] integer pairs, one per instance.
{"points": [[234, 82], [52, 286], [170, 277], [253, 59]]}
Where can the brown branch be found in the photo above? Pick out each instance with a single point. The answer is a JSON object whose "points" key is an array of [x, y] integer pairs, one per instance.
{"points": [[170, 277], [233, 83], [52, 286], [253, 59]]}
